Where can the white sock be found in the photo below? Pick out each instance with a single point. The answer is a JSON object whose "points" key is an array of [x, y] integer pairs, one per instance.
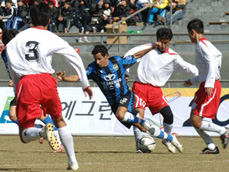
{"points": [[209, 126], [32, 134], [137, 133], [168, 128], [129, 117], [155, 131], [67, 140], [207, 139]]}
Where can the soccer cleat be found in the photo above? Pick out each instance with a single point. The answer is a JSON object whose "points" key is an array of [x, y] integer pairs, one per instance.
{"points": [[138, 151], [169, 146], [61, 148], [176, 143], [225, 138], [73, 166], [209, 151], [53, 142]]}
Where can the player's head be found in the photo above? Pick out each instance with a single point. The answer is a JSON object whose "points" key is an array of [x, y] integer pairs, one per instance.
{"points": [[195, 28], [40, 14], [164, 37], [101, 55], [8, 35]]}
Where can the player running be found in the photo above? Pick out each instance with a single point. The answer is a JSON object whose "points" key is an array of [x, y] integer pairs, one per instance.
{"points": [[30, 57], [109, 74], [7, 35], [207, 98]]}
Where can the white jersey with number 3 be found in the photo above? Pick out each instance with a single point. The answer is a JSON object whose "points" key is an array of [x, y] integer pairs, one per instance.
{"points": [[31, 52]]}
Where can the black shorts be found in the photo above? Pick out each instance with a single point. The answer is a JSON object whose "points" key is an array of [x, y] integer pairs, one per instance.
{"points": [[128, 101], [13, 102]]}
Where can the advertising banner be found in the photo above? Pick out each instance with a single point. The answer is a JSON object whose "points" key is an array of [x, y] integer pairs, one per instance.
{"points": [[94, 117]]}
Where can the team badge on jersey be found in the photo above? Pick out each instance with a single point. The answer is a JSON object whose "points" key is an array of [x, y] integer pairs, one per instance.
{"points": [[115, 67], [129, 57]]}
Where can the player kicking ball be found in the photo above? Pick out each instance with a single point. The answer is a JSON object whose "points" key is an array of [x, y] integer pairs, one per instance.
{"points": [[109, 74]]}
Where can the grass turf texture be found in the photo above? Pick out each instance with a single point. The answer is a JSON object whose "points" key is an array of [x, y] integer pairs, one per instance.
{"points": [[110, 154]]}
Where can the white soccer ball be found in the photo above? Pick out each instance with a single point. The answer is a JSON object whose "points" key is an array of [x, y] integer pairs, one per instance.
{"points": [[146, 144]]}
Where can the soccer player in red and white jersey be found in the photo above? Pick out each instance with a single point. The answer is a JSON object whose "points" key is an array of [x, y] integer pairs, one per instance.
{"points": [[207, 98], [30, 57], [154, 70]]}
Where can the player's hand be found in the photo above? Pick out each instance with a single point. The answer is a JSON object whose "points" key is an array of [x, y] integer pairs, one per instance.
{"points": [[60, 75], [11, 83], [187, 83], [209, 91], [88, 91], [156, 45]]}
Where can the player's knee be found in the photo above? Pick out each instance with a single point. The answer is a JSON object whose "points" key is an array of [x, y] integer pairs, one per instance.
{"points": [[119, 115], [167, 114], [12, 113], [195, 122]]}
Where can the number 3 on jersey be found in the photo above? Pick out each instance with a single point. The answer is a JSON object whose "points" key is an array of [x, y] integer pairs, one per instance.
{"points": [[31, 50]]}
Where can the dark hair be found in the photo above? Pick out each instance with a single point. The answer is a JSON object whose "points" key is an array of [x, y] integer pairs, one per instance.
{"points": [[8, 34], [51, 3], [197, 25], [40, 14], [164, 34], [100, 49], [9, 1]]}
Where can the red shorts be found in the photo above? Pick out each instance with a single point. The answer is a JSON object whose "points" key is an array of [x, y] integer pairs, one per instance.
{"points": [[204, 105], [32, 92], [150, 96]]}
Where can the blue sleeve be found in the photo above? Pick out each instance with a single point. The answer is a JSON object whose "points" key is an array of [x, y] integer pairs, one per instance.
{"points": [[89, 72], [128, 61], [4, 58]]}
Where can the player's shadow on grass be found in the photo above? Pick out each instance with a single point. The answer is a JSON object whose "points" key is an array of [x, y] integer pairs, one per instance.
{"points": [[15, 169], [119, 152]]}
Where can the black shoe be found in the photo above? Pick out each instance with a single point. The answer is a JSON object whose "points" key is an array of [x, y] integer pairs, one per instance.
{"points": [[225, 138], [209, 151]]}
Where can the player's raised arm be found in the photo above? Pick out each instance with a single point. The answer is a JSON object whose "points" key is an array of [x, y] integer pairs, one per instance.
{"points": [[141, 53]]}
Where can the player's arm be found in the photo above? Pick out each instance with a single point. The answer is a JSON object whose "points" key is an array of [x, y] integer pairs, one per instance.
{"points": [[141, 53], [62, 77]]}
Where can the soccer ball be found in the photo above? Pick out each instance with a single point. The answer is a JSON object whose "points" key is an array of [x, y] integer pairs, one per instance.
{"points": [[146, 144]]}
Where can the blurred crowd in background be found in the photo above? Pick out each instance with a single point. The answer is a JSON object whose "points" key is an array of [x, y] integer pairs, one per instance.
{"points": [[91, 15]]}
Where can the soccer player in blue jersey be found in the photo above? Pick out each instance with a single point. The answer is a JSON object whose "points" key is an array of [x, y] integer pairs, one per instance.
{"points": [[109, 74]]}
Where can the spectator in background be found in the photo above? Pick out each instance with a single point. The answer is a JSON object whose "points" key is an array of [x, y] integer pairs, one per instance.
{"points": [[22, 15], [84, 17], [106, 16], [65, 18], [121, 11], [54, 16], [2, 25], [8, 14], [178, 11], [158, 9], [143, 16]]}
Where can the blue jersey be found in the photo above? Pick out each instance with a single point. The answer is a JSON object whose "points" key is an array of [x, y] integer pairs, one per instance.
{"points": [[111, 79]]}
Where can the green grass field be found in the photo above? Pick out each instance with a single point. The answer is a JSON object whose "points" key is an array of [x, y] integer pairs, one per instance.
{"points": [[110, 154]]}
